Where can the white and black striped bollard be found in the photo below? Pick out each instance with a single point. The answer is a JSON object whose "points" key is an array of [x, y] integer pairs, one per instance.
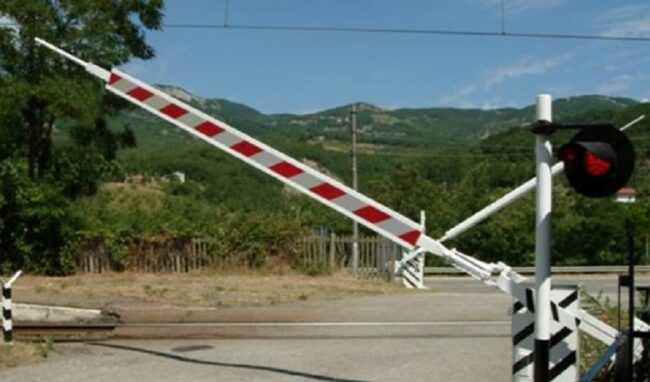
{"points": [[7, 323]]}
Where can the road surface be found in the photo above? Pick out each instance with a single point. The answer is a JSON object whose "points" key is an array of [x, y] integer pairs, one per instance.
{"points": [[457, 331]]}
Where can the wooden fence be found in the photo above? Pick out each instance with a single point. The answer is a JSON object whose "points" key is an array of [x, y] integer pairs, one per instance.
{"points": [[168, 256], [315, 254], [92, 256], [376, 255]]}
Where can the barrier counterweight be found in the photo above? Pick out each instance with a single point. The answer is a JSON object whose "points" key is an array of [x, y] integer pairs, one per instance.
{"points": [[563, 344]]}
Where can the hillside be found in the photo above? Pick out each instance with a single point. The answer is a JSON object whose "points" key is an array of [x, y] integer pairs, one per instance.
{"points": [[388, 138], [424, 128]]}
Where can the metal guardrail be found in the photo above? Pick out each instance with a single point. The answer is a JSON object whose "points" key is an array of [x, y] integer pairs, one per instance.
{"points": [[591, 269]]}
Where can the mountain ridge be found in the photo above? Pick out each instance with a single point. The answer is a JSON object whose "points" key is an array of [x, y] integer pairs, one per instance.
{"points": [[187, 96], [428, 128]]}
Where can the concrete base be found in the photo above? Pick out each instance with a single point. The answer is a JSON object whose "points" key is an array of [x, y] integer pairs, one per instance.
{"points": [[43, 313]]}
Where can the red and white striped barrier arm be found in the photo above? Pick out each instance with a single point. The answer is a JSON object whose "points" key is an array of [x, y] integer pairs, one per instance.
{"points": [[323, 188]]}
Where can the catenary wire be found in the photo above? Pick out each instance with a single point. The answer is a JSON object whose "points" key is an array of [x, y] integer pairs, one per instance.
{"points": [[405, 31], [447, 32]]}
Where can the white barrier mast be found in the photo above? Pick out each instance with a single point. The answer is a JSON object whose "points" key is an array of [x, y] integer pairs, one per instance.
{"points": [[543, 208]]}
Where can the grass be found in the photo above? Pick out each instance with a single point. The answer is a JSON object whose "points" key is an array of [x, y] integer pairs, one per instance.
{"points": [[146, 196], [23, 353], [590, 348], [207, 289]]}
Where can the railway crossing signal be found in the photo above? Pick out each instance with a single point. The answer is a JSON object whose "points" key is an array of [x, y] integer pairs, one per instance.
{"points": [[598, 161]]}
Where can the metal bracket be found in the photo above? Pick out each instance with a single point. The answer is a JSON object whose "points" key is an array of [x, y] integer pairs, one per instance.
{"points": [[544, 127], [548, 128]]}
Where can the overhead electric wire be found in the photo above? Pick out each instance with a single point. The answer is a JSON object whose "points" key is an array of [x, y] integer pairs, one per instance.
{"points": [[449, 32], [414, 31]]}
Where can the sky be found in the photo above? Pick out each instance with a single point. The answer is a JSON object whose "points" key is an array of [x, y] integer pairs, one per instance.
{"points": [[284, 71]]}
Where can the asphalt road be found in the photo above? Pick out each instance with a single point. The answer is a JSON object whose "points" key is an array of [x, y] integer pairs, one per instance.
{"points": [[457, 331], [368, 359]]}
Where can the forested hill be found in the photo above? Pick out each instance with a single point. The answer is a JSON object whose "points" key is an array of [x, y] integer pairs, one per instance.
{"points": [[422, 127], [388, 138]]}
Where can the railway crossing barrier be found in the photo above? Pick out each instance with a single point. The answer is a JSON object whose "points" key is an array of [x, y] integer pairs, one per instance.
{"points": [[343, 199], [7, 322]]}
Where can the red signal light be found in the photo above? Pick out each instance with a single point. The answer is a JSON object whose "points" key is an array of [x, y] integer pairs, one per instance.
{"points": [[595, 166]]}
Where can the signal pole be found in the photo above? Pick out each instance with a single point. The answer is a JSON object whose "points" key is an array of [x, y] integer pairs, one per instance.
{"points": [[629, 232], [543, 204], [355, 225]]}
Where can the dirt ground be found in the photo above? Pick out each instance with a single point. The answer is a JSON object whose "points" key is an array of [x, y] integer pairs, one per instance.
{"points": [[204, 289], [197, 290]]}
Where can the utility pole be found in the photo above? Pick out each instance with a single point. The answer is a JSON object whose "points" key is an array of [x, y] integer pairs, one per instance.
{"points": [[355, 225], [543, 206]]}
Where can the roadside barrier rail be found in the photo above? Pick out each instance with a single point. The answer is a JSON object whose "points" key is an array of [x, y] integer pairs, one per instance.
{"points": [[587, 269]]}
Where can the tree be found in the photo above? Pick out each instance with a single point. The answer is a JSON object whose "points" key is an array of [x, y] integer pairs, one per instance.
{"points": [[41, 87], [40, 92]]}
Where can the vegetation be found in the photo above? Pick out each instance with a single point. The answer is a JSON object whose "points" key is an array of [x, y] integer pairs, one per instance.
{"points": [[41, 93], [66, 148], [590, 348]]}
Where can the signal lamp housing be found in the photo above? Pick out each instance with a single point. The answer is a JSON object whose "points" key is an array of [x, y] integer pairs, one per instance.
{"points": [[598, 161]]}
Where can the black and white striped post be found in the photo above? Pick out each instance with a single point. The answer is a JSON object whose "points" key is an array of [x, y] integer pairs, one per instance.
{"points": [[7, 323]]}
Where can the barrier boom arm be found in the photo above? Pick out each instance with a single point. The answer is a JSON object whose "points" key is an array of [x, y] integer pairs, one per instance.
{"points": [[290, 171], [324, 189]]}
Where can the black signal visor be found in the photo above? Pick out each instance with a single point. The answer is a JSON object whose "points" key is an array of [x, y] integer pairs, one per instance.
{"points": [[598, 161]]}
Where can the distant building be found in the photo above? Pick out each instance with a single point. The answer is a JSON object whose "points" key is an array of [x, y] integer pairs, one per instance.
{"points": [[137, 178], [626, 195], [180, 176]]}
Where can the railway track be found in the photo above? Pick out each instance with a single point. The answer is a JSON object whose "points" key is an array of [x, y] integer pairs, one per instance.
{"points": [[81, 332], [64, 331]]}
